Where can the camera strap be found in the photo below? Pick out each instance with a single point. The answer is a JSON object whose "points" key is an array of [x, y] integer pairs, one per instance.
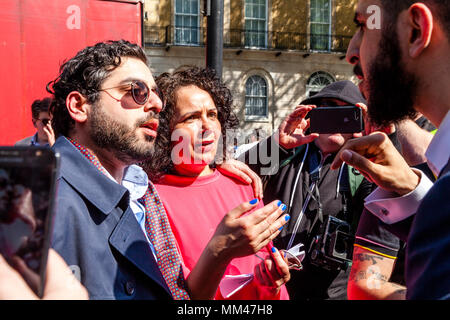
{"points": [[312, 191]]}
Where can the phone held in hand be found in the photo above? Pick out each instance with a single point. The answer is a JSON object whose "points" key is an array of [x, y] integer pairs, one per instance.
{"points": [[27, 197], [338, 119]]}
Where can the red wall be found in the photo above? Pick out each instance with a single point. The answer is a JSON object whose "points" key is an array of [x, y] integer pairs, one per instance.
{"points": [[36, 36]]}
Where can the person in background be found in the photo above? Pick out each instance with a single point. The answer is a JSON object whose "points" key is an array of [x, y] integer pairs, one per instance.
{"points": [[316, 196], [42, 122]]}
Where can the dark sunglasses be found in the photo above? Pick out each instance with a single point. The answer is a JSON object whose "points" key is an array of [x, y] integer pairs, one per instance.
{"points": [[45, 121], [139, 91]]}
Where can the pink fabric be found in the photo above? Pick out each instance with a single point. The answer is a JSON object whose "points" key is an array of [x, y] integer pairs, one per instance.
{"points": [[195, 206]]}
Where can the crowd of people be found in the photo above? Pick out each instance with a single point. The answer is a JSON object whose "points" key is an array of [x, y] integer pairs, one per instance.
{"points": [[151, 203]]}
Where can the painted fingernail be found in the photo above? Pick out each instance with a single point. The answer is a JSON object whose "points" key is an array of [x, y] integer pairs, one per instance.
{"points": [[281, 228], [279, 203], [254, 201], [274, 249], [287, 217], [283, 207]]}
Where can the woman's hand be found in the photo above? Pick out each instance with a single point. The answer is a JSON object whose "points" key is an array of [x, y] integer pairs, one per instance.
{"points": [[240, 234], [273, 272]]}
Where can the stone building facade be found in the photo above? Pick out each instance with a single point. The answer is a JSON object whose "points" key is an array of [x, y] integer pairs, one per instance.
{"points": [[276, 52]]}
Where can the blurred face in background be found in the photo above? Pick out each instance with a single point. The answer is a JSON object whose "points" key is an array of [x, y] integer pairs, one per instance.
{"points": [[40, 123]]}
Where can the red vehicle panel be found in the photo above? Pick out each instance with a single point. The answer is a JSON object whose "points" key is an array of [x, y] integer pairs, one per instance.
{"points": [[37, 36]]}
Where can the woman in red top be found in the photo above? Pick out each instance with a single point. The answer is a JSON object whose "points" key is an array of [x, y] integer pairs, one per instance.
{"points": [[217, 222]]}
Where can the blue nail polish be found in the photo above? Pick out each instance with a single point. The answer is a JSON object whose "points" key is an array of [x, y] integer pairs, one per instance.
{"points": [[274, 250], [287, 217], [279, 203], [283, 207], [254, 201], [281, 228]]}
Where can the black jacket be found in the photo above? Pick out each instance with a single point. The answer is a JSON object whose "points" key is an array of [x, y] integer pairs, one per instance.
{"points": [[336, 197]]}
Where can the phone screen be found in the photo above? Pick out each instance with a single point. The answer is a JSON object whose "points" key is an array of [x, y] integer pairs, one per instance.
{"points": [[27, 184]]}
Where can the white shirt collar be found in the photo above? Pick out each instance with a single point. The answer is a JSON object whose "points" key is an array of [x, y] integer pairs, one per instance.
{"points": [[438, 153], [136, 181]]}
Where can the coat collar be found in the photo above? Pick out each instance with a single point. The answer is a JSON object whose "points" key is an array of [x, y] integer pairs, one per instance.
{"points": [[82, 175]]}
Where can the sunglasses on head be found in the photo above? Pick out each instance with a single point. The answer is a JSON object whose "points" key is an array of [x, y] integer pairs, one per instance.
{"points": [[139, 91]]}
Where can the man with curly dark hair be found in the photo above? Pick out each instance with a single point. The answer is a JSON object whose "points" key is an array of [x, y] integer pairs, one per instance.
{"points": [[207, 210], [105, 112]]}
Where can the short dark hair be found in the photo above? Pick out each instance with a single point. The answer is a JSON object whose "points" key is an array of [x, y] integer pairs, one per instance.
{"points": [[39, 106], [204, 78], [440, 9], [85, 73]]}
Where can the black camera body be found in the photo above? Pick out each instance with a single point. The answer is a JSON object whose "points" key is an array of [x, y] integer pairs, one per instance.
{"points": [[332, 248]]}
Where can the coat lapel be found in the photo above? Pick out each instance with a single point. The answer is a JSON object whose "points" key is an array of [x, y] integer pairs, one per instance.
{"points": [[129, 239], [446, 169]]}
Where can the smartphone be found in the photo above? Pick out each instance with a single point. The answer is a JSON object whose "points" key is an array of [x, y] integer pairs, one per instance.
{"points": [[339, 119], [27, 197]]}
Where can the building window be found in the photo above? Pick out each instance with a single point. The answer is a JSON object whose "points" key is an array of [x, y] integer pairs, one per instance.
{"points": [[256, 23], [256, 99], [320, 25], [187, 21], [317, 81]]}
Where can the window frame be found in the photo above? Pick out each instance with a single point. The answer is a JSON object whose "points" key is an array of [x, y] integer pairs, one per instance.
{"points": [[329, 23], [266, 21], [183, 28], [313, 76], [253, 117]]}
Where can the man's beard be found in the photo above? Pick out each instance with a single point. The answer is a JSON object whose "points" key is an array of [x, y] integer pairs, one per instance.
{"points": [[392, 89], [118, 138]]}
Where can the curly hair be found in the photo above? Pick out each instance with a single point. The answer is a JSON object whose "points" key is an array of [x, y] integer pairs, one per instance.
{"points": [[205, 79], [85, 73], [39, 106]]}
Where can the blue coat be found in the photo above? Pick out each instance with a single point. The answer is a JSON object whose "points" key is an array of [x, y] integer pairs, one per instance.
{"points": [[97, 234], [428, 250]]}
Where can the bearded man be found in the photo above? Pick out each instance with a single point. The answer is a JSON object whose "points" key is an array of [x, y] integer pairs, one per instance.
{"points": [[105, 114], [404, 68]]}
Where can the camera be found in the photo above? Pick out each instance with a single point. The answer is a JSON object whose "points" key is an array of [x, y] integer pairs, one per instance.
{"points": [[332, 248]]}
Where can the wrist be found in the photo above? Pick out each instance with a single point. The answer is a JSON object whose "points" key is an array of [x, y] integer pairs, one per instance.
{"points": [[412, 181], [216, 251], [282, 146]]}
